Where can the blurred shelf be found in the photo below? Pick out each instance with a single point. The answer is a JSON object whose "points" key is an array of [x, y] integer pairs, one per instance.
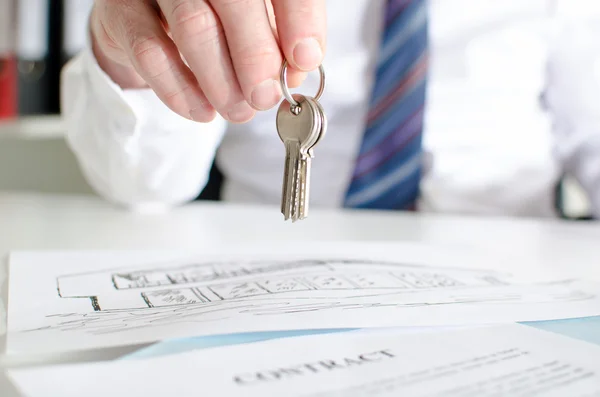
{"points": [[33, 127], [35, 157]]}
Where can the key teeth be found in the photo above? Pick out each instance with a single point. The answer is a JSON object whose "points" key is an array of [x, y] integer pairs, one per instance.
{"points": [[289, 180], [297, 189]]}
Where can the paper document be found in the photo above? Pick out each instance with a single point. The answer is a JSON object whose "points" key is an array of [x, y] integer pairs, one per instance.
{"points": [[504, 360], [95, 300], [586, 329]]}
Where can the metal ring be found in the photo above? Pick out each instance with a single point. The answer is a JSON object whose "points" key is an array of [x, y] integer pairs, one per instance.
{"points": [[286, 91]]}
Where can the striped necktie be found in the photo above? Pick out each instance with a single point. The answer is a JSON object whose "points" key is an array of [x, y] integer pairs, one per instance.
{"points": [[389, 163]]}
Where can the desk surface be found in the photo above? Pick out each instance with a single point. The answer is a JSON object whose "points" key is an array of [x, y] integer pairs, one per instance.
{"points": [[31, 222]]}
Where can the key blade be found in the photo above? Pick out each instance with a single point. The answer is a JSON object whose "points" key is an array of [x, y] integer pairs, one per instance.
{"points": [[290, 177], [299, 192], [297, 189], [304, 187]]}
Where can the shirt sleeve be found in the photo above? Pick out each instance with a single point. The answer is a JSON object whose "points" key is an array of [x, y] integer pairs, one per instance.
{"points": [[132, 149], [573, 99]]}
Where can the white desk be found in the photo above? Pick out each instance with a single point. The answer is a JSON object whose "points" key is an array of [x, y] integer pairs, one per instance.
{"points": [[29, 222]]}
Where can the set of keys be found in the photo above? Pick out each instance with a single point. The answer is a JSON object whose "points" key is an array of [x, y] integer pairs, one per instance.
{"points": [[301, 125]]}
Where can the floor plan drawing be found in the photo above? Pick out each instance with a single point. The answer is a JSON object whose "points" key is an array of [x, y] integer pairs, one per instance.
{"points": [[206, 283], [108, 305]]}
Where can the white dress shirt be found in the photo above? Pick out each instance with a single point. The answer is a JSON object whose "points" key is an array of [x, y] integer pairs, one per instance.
{"points": [[494, 149]]}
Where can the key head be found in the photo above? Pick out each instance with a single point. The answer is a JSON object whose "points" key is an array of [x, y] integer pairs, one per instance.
{"points": [[323, 124], [302, 124]]}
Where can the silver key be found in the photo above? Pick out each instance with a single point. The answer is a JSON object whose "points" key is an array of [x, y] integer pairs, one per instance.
{"points": [[323, 124], [305, 165], [301, 209], [298, 128]]}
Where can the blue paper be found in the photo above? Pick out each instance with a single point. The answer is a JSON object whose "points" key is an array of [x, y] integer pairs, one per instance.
{"points": [[173, 346], [585, 329]]}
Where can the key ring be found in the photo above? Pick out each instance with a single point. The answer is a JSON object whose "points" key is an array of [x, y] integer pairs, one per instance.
{"points": [[295, 106]]}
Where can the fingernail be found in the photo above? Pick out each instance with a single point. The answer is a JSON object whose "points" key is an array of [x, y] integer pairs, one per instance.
{"points": [[308, 54], [240, 113], [266, 95]]}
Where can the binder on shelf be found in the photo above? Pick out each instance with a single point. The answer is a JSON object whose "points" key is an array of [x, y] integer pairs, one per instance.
{"points": [[8, 64], [8, 88], [76, 15], [33, 34]]}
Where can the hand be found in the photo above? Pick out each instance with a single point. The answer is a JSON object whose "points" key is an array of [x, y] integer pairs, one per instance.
{"points": [[206, 56]]}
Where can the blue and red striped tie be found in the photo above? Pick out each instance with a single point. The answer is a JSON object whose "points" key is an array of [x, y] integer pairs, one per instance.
{"points": [[389, 163]]}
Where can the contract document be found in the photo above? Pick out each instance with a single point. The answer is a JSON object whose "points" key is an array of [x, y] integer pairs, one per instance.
{"points": [[503, 360], [91, 300]]}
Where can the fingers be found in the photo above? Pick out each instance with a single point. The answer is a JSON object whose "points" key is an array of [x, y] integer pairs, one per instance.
{"points": [[294, 77], [202, 56], [136, 27], [199, 35], [254, 51], [302, 26]]}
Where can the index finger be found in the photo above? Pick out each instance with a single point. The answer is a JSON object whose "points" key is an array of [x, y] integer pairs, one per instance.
{"points": [[301, 26]]}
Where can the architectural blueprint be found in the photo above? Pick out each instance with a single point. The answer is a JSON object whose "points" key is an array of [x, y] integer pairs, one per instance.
{"points": [[326, 279], [107, 305]]}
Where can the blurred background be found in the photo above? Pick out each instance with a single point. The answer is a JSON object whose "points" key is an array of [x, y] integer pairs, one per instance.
{"points": [[37, 38], [486, 90]]}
